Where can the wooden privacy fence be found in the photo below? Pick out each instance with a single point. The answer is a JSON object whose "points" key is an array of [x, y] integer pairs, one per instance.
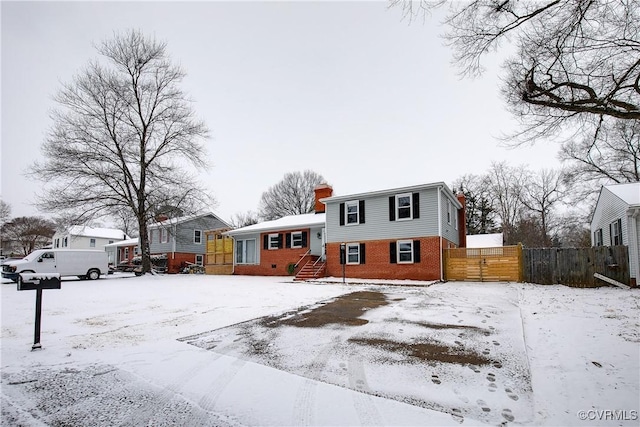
{"points": [[546, 266], [501, 264], [576, 266]]}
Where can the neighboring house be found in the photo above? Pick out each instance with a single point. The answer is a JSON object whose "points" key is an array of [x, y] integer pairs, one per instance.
{"points": [[616, 221], [391, 234], [82, 237], [182, 240], [398, 233], [492, 240], [122, 252]]}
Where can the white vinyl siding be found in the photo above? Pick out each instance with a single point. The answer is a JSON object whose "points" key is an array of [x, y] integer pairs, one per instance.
{"points": [[378, 226]]}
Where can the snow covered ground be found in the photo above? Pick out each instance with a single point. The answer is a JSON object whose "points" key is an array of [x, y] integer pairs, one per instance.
{"points": [[232, 350]]}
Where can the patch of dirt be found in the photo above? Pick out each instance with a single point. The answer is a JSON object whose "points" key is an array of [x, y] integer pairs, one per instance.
{"points": [[426, 351], [436, 325], [344, 310]]}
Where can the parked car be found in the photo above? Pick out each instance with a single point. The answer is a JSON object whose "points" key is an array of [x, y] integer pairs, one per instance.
{"points": [[85, 264]]}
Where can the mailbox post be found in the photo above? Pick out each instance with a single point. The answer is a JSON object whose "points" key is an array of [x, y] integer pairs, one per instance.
{"points": [[38, 282]]}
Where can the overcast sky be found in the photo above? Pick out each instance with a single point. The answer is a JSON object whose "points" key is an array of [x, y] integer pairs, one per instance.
{"points": [[346, 89]]}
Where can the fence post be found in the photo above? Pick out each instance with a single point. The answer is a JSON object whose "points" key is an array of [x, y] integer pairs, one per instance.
{"points": [[520, 263]]}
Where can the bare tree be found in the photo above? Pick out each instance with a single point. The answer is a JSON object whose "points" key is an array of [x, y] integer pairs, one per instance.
{"points": [[506, 184], [244, 219], [542, 192], [575, 58], [123, 137], [611, 155], [28, 233], [5, 212], [291, 196]]}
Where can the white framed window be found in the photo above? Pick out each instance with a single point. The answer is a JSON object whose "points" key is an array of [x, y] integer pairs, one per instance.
{"points": [[405, 251], [197, 236], [274, 241], [404, 207], [57, 244], [296, 239], [164, 235], [92, 243], [353, 253], [200, 260], [246, 251], [597, 237], [449, 211], [125, 255], [65, 242], [352, 212], [616, 232]]}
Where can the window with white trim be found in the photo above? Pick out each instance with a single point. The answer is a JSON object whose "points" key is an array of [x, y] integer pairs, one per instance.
{"points": [[405, 251], [352, 212], [404, 207], [200, 260], [353, 253], [597, 237], [164, 235], [246, 251], [125, 255], [296, 239], [92, 243], [616, 232], [197, 236], [274, 241]]}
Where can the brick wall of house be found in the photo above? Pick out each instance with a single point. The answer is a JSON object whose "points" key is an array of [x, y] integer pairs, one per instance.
{"points": [[274, 262], [378, 266], [178, 260]]}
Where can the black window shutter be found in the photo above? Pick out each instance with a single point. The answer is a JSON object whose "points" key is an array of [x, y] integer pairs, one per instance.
{"points": [[392, 253], [362, 256], [416, 205], [392, 208], [416, 251], [265, 241], [341, 213], [280, 241], [361, 211], [304, 239], [287, 238], [620, 231]]}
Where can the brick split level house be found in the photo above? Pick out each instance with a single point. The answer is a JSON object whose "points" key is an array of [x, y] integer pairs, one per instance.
{"points": [[397, 233]]}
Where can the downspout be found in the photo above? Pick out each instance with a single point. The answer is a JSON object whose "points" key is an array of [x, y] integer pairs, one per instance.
{"points": [[632, 214], [440, 233]]}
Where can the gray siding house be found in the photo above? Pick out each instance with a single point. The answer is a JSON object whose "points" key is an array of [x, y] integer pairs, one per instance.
{"points": [[396, 233], [182, 240], [616, 221]]}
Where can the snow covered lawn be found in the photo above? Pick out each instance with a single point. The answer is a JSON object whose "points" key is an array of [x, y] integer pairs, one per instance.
{"points": [[232, 350]]}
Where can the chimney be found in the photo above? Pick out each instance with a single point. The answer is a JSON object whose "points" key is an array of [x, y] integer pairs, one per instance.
{"points": [[322, 191], [462, 221]]}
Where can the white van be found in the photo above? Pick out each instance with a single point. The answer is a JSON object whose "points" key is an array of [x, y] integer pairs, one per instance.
{"points": [[86, 264]]}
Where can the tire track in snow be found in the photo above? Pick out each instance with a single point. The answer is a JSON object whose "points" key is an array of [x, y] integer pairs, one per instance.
{"points": [[219, 384], [304, 405], [362, 402], [167, 394]]}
